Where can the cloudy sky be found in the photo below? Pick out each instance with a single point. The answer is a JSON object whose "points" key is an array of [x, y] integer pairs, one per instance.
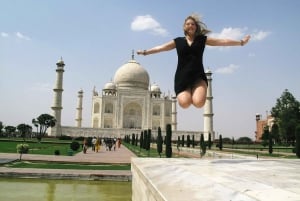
{"points": [[96, 37]]}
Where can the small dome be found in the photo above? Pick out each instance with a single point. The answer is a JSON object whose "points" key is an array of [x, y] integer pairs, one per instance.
{"points": [[208, 71], [109, 86], [132, 75], [60, 62], [155, 88]]}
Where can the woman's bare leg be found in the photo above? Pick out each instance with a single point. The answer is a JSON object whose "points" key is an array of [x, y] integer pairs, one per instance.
{"points": [[185, 98], [199, 94]]}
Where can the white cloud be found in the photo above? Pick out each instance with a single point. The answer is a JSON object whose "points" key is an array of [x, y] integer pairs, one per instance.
{"points": [[21, 36], [227, 69], [239, 33], [229, 32], [259, 35], [148, 23], [4, 35], [232, 33]]}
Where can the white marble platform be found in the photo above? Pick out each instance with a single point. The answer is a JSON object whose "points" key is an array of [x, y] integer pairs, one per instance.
{"points": [[215, 179]]}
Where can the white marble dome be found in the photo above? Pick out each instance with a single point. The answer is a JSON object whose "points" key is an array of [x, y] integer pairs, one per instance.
{"points": [[132, 75], [109, 86], [155, 88]]}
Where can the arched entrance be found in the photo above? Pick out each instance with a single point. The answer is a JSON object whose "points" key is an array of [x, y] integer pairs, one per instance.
{"points": [[132, 116]]}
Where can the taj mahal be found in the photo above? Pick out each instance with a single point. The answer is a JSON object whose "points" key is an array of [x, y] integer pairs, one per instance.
{"points": [[128, 104]]}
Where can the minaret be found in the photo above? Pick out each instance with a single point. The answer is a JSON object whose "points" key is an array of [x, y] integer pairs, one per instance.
{"points": [[208, 109], [174, 114], [57, 100], [79, 109]]}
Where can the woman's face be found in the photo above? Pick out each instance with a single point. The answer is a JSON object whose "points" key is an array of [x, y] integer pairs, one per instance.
{"points": [[190, 26]]}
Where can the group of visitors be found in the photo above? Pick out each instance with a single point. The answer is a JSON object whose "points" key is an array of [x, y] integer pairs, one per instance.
{"points": [[96, 143]]}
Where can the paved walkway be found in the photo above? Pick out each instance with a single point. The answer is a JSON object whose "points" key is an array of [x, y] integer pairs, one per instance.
{"points": [[120, 156]]}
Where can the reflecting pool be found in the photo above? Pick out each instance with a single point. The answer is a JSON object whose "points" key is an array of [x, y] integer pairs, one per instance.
{"points": [[12, 189]]}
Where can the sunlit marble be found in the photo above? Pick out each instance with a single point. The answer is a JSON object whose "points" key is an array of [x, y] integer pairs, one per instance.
{"points": [[215, 179]]}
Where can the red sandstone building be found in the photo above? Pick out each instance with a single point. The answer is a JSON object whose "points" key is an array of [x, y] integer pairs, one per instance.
{"points": [[261, 124]]}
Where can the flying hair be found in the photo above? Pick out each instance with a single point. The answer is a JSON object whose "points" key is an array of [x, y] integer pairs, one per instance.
{"points": [[201, 27]]}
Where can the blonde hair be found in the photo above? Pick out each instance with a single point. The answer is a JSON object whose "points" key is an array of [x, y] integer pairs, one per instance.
{"points": [[201, 27]]}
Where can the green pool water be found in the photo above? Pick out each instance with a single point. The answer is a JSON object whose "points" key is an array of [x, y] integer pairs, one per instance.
{"points": [[12, 189]]}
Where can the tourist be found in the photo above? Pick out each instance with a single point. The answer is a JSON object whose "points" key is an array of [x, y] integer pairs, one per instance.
{"points": [[97, 144], [84, 146], [190, 78], [119, 142], [94, 143]]}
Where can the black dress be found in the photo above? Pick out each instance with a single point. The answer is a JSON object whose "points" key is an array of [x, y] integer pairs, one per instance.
{"points": [[190, 68]]}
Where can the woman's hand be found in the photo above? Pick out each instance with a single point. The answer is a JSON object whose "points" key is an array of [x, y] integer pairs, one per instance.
{"points": [[140, 52], [245, 40]]}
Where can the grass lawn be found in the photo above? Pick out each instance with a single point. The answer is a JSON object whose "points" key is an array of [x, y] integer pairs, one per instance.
{"points": [[48, 147], [45, 147], [51, 165], [143, 152], [152, 153]]}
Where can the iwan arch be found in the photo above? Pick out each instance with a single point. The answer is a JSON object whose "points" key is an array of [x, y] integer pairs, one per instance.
{"points": [[126, 105]]}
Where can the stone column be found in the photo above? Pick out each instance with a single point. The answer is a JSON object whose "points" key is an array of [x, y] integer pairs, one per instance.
{"points": [[208, 109], [79, 110], [57, 99]]}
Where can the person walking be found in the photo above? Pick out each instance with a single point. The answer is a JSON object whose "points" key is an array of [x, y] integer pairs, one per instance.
{"points": [[84, 145], [94, 143], [97, 145], [190, 82]]}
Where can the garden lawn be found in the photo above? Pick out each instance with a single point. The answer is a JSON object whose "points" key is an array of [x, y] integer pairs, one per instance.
{"points": [[49, 165], [45, 148]]}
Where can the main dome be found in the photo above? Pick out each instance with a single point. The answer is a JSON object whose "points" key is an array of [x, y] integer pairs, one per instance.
{"points": [[132, 75]]}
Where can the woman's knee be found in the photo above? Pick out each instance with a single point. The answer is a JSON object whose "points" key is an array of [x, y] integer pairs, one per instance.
{"points": [[199, 103], [184, 99], [199, 95], [184, 103]]}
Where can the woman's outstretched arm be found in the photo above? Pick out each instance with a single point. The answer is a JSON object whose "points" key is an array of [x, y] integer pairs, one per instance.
{"points": [[164, 47], [227, 42]]}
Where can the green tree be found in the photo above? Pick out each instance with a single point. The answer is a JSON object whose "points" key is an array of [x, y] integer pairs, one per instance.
{"points": [[297, 148], [226, 140], [142, 139], [220, 142], [287, 114], [159, 142], [244, 140], [275, 133], [193, 141], [133, 139], [148, 140], [202, 145], [270, 144], [10, 130], [24, 129], [209, 141], [168, 141], [44, 121], [188, 141], [136, 140], [145, 141], [265, 136], [1, 127]]}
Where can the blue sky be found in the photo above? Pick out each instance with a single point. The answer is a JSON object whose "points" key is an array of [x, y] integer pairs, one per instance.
{"points": [[96, 37]]}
